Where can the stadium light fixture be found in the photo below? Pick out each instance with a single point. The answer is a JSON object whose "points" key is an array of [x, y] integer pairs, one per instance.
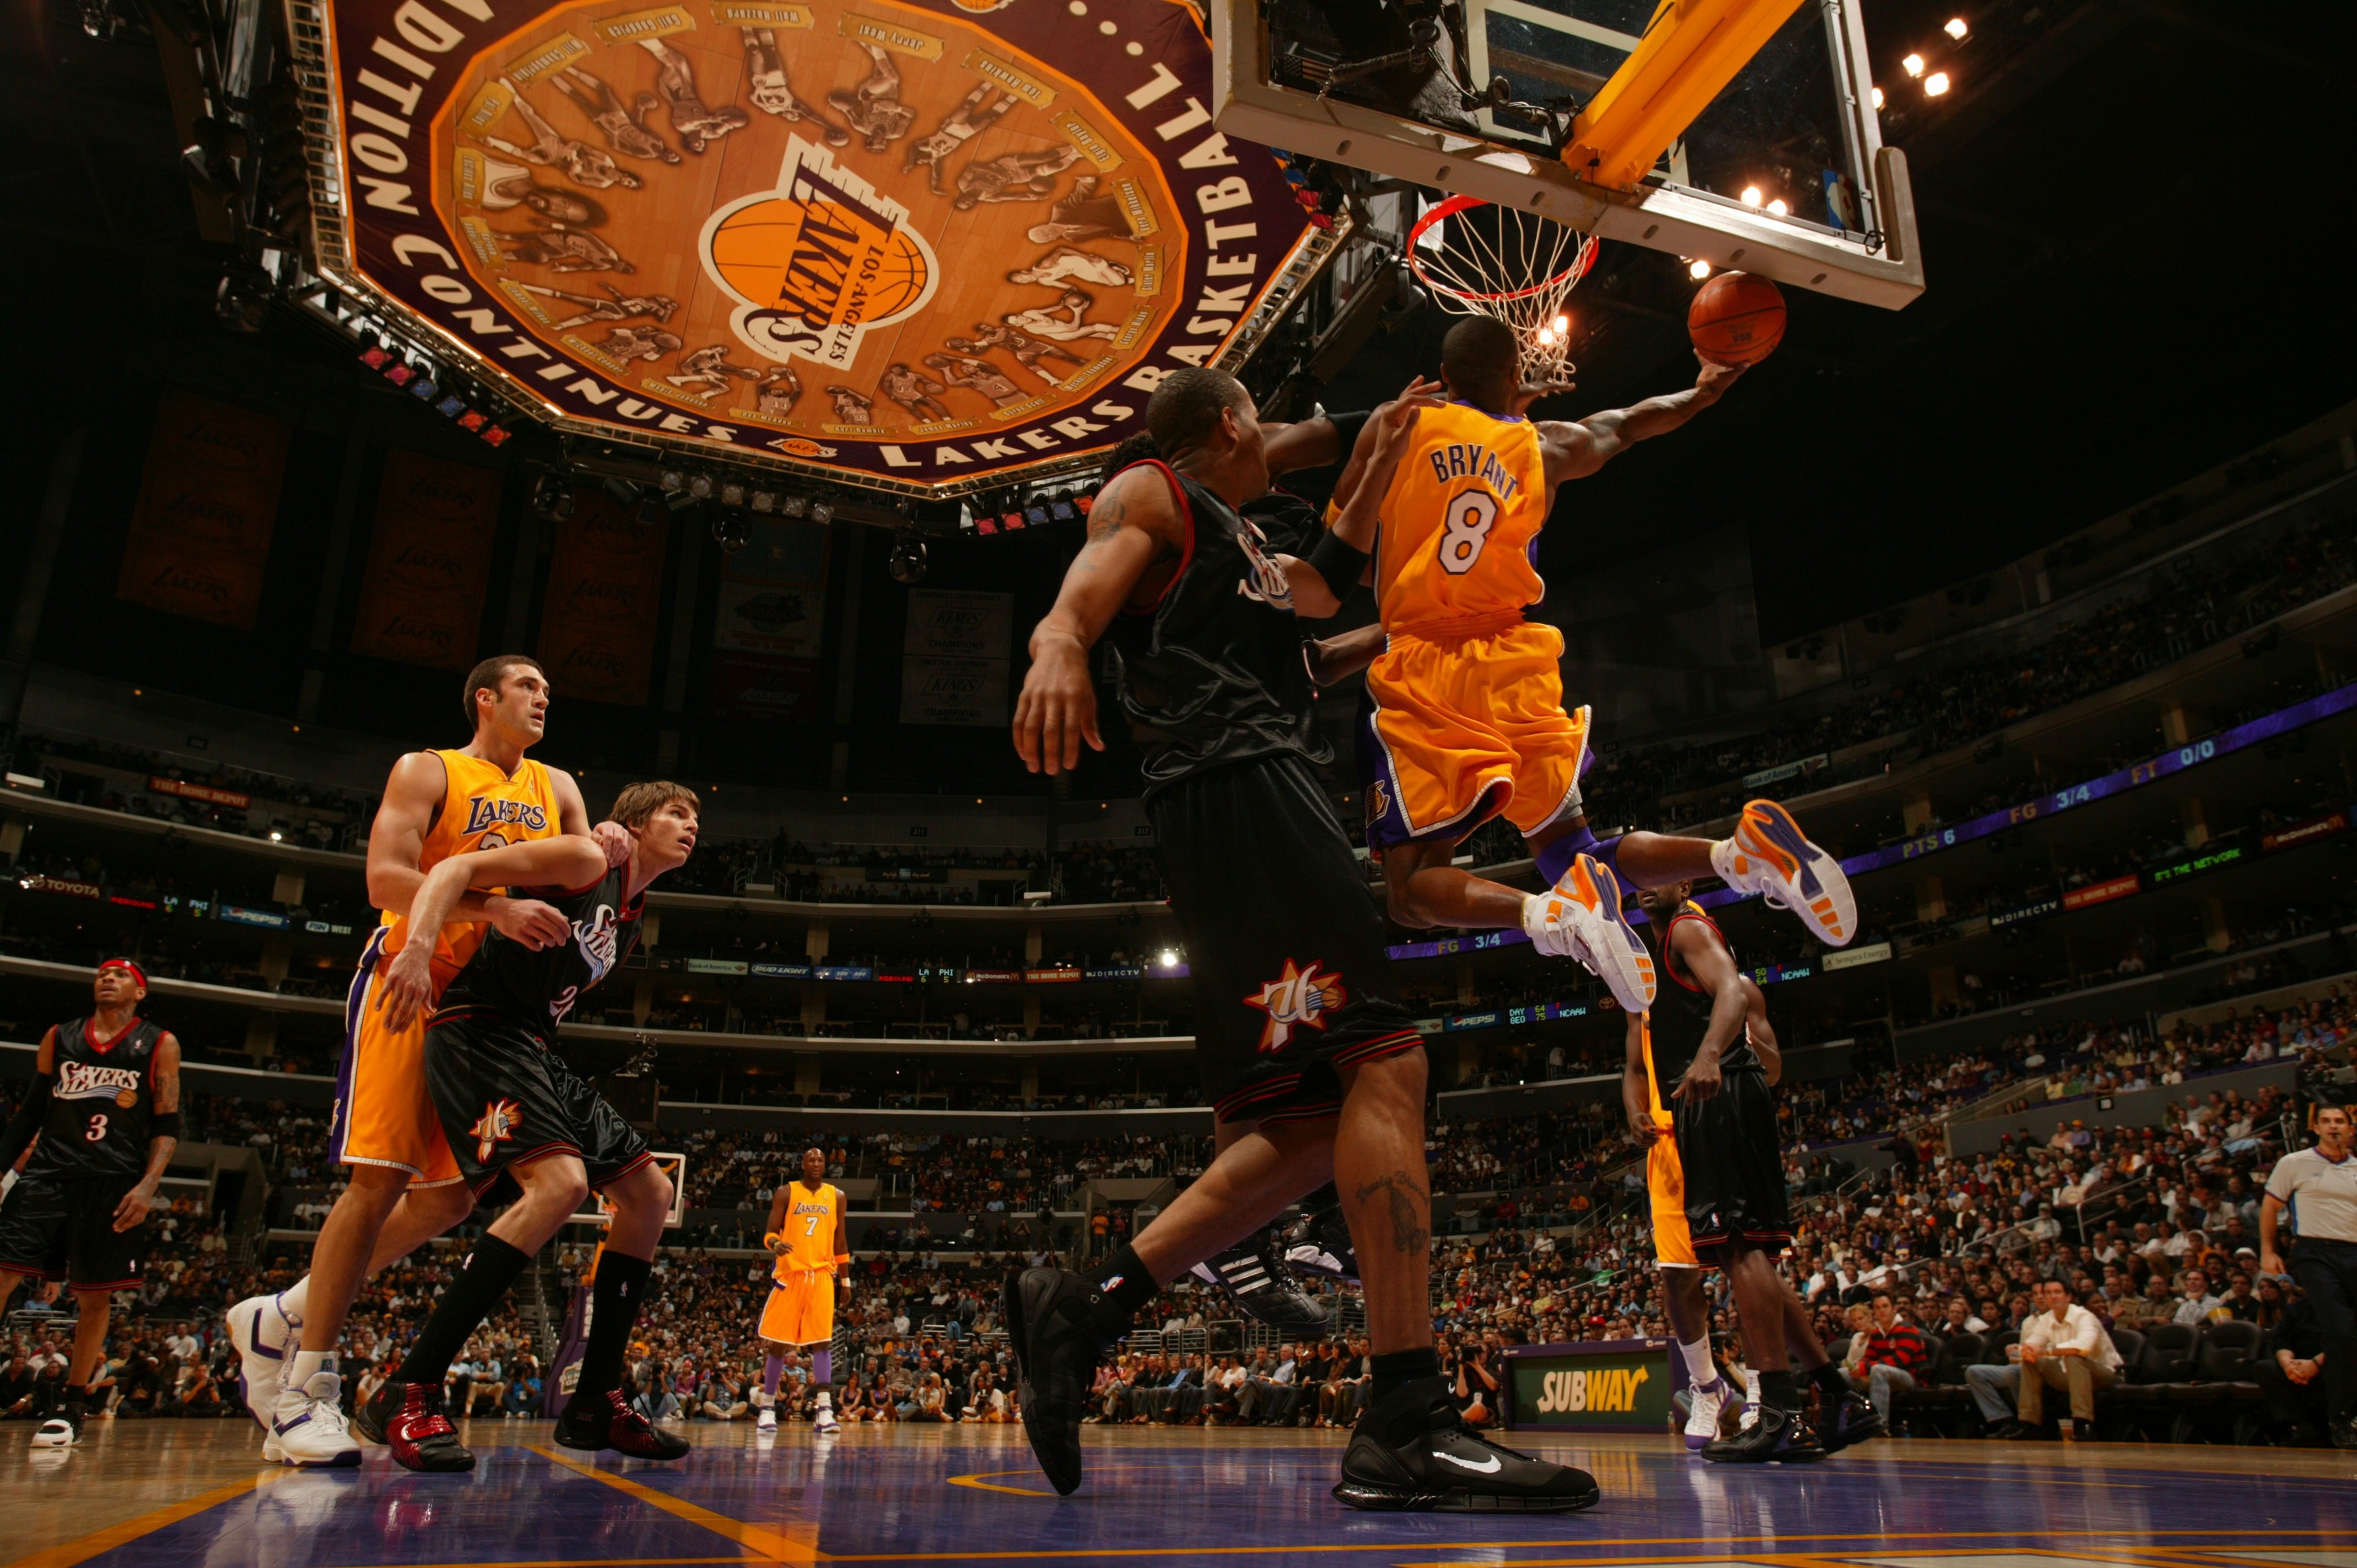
{"points": [[1913, 64], [1935, 84], [1697, 269], [1957, 30], [1778, 207], [1878, 97], [1752, 196], [1169, 958]]}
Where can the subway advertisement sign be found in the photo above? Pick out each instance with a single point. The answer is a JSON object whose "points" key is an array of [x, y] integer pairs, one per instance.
{"points": [[1599, 1385]]}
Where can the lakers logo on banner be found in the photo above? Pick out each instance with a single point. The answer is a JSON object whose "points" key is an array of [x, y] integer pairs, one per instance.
{"points": [[917, 244], [820, 261]]}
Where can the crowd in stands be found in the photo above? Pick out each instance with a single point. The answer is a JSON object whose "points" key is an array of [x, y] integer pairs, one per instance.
{"points": [[2183, 605]]}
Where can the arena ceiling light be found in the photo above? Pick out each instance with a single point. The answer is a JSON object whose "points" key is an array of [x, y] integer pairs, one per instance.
{"points": [[1956, 28], [1913, 64], [1935, 84], [1697, 269]]}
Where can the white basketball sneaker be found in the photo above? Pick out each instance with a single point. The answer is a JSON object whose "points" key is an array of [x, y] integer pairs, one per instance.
{"points": [[1580, 918], [823, 1423], [264, 1337], [1769, 854], [309, 1426], [766, 1422], [1701, 1418], [56, 1432]]}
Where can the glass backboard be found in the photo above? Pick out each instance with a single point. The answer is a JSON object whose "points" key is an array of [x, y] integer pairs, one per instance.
{"points": [[1782, 173]]}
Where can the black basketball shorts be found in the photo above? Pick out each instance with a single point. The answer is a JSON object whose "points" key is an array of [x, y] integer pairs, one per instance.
{"points": [[1283, 942], [505, 1099], [62, 1228], [1734, 1167]]}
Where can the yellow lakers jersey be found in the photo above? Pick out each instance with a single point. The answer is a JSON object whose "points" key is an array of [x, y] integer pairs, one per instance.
{"points": [[483, 808], [809, 1227], [1459, 521], [1653, 1103]]}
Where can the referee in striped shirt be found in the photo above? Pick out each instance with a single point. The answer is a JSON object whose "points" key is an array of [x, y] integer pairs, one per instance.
{"points": [[2319, 1186]]}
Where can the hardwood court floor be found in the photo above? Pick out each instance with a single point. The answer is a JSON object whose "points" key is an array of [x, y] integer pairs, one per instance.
{"points": [[193, 1495]]}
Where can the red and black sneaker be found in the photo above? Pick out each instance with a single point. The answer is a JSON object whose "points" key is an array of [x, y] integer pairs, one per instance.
{"points": [[608, 1421], [408, 1419]]}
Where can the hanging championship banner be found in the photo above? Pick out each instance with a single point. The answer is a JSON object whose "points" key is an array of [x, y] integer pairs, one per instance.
{"points": [[918, 245], [769, 627], [605, 582], [430, 560], [208, 506], [953, 662]]}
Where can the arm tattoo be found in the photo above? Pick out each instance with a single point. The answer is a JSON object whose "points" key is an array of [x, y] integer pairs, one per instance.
{"points": [[1411, 1210]]}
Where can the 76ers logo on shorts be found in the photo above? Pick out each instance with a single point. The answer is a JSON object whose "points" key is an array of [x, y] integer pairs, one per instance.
{"points": [[1300, 998], [498, 1123]]}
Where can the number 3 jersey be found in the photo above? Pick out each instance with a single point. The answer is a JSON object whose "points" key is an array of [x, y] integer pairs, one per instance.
{"points": [[537, 988], [97, 1124], [1458, 524]]}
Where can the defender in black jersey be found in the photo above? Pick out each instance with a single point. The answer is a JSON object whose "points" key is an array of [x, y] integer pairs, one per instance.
{"points": [[523, 1123], [1715, 1058], [105, 1104], [1314, 1067]]}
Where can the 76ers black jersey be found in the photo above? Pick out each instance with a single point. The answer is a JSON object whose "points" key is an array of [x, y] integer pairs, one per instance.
{"points": [[99, 1106], [538, 988], [1681, 1015], [1213, 674]]}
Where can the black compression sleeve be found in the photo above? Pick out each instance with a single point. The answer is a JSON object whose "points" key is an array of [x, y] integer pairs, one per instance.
{"points": [[27, 1120], [1338, 563], [1347, 427]]}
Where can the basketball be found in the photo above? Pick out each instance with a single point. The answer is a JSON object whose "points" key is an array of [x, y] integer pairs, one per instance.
{"points": [[1735, 319]]}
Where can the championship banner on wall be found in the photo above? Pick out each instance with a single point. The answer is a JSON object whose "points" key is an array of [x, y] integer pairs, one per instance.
{"points": [[429, 560], [208, 506], [769, 627], [953, 662], [597, 622], [920, 244]]}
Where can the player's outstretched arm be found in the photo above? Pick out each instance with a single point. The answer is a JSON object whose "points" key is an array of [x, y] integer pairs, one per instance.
{"points": [[34, 1105], [1310, 442], [1575, 449], [1633, 1103], [566, 861], [164, 1070], [1756, 1029], [1133, 526], [1704, 954], [1337, 562]]}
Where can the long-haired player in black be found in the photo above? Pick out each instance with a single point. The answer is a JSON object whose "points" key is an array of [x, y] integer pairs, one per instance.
{"points": [[105, 1102], [1317, 1072], [523, 1123], [1705, 1035]]}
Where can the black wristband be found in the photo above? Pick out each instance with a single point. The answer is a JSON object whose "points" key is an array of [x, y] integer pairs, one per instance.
{"points": [[164, 1125], [1347, 427], [1338, 563]]}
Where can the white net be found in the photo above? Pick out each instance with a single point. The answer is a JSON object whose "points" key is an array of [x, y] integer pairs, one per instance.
{"points": [[1479, 259]]}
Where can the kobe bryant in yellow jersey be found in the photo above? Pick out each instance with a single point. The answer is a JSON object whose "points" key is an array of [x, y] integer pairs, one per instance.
{"points": [[810, 1239], [1465, 717]]}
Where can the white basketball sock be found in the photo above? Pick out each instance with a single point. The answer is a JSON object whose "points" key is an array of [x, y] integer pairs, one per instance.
{"points": [[1701, 1371], [292, 1300]]}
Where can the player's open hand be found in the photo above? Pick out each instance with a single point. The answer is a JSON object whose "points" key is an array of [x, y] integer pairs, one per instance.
{"points": [[407, 985], [1530, 393], [530, 921], [1716, 378], [1057, 709], [616, 841], [133, 1209], [1700, 1082]]}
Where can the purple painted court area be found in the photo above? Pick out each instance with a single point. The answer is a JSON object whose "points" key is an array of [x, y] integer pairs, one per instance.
{"points": [[950, 1495]]}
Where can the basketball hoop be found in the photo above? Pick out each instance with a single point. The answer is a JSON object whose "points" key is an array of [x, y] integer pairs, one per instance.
{"points": [[1513, 265]]}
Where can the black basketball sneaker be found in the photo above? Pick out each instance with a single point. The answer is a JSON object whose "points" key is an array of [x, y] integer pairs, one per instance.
{"points": [[1061, 1326], [1851, 1420], [609, 1423], [1261, 1288], [1412, 1452], [1319, 1243], [1778, 1438]]}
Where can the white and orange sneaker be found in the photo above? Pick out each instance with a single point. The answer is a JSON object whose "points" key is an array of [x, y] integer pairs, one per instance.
{"points": [[1580, 918], [1770, 856]]}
